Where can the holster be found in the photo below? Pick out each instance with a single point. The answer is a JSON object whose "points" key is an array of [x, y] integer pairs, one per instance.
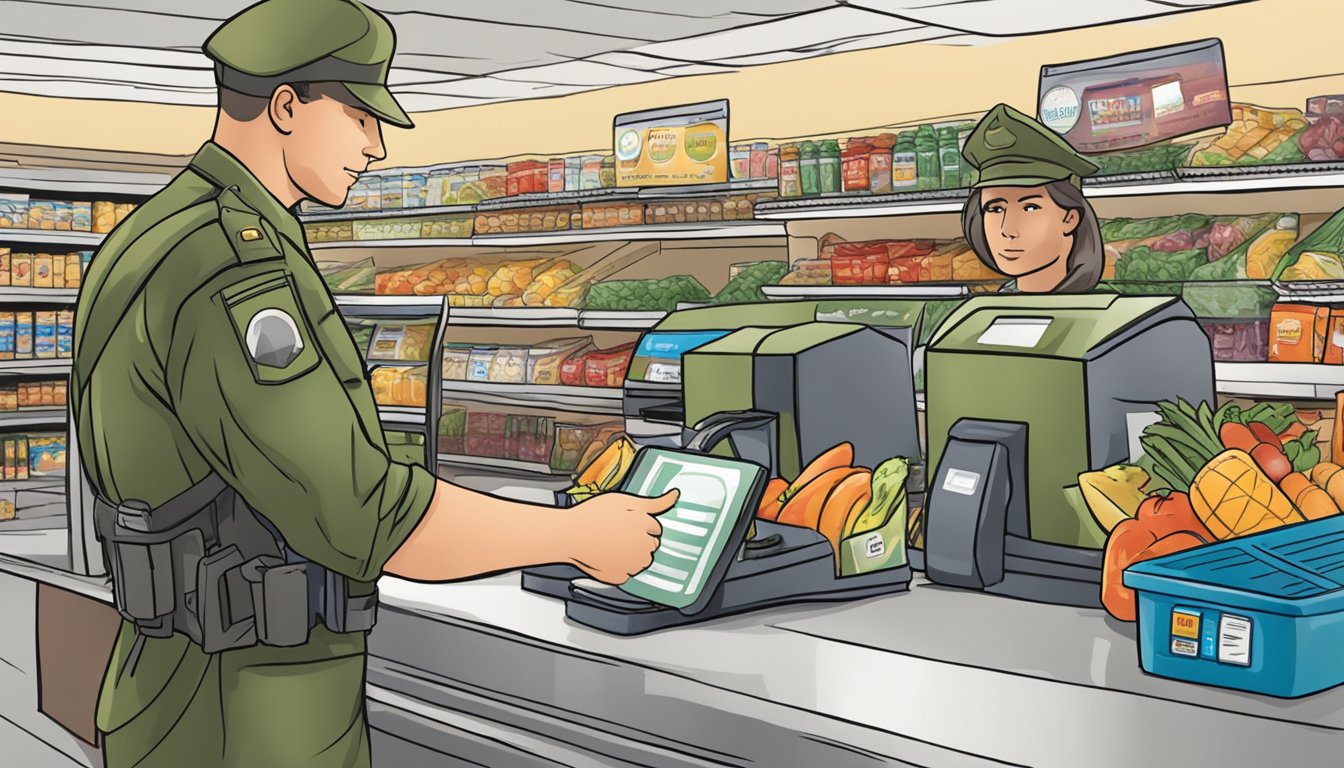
{"points": [[207, 566]]}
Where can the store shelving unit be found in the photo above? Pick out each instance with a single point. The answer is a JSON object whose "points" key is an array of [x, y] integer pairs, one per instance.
{"points": [[602, 400], [39, 295], [708, 231], [1287, 381], [50, 237]]}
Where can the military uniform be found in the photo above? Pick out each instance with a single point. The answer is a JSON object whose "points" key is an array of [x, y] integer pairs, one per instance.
{"points": [[1009, 149], [207, 343]]}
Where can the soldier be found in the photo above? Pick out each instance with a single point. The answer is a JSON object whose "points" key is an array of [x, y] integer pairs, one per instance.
{"points": [[246, 498], [1027, 217]]}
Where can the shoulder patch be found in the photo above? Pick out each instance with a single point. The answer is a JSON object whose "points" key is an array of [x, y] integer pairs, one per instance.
{"points": [[272, 331], [250, 235]]}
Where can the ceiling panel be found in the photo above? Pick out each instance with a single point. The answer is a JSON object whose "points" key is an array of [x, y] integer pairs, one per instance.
{"points": [[457, 54]]}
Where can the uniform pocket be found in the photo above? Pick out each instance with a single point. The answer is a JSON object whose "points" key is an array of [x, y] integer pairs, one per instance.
{"points": [[272, 331]]}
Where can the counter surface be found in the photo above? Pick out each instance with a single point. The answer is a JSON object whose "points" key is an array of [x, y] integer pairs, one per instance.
{"points": [[933, 677]]}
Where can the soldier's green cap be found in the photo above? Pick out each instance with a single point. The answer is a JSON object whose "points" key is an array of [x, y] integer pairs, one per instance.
{"points": [[1010, 149], [290, 41]]}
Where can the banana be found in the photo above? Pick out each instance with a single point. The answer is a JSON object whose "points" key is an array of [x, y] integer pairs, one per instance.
{"points": [[1113, 494]]}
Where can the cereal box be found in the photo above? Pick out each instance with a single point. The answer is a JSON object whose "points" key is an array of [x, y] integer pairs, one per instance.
{"points": [[23, 335], [47, 396], [81, 219], [13, 210], [21, 457], [58, 270], [390, 186], [65, 334], [44, 335], [6, 335], [4, 266], [9, 399], [104, 217], [11, 469], [41, 214], [46, 455], [73, 271], [42, 270], [414, 188], [64, 215], [21, 270], [60, 393]]}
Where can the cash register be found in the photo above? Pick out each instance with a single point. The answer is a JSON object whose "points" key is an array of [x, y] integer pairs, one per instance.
{"points": [[1025, 393]]}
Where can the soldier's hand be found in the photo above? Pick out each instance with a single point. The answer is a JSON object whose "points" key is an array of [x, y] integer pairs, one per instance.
{"points": [[616, 534]]}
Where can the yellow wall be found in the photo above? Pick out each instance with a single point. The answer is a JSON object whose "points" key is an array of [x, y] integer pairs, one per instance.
{"points": [[1278, 54]]}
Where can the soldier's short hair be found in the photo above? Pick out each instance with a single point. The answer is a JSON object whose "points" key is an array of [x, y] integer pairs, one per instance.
{"points": [[245, 108]]}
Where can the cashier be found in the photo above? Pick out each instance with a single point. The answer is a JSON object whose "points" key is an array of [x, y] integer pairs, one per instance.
{"points": [[1027, 218]]}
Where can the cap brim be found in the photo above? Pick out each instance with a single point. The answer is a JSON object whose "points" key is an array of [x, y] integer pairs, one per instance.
{"points": [[379, 101], [1016, 181]]}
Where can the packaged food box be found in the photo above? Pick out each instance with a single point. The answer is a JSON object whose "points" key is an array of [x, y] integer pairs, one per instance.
{"points": [[105, 216], [61, 396], [81, 216], [58, 270], [4, 266], [124, 210], [387, 229], [571, 441], [21, 270], [1334, 338], [456, 362], [599, 215], [7, 346], [73, 272], [548, 219], [860, 264], [42, 270], [574, 371], [46, 455], [9, 399], [65, 334], [529, 438], [453, 429], [478, 368], [44, 335], [23, 335], [607, 368], [390, 190], [486, 434], [13, 210], [41, 214], [509, 366], [1297, 333], [1239, 340], [409, 342], [447, 227], [48, 396], [400, 385], [21, 457], [545, 360], [64, 215], [11, 465], [414, 188]]}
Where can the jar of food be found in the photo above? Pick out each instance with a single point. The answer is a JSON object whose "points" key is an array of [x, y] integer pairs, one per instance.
{"points": [[904, 171], [789, 170], [739, 158], [879, 164], [854, 165], [573, 173], [760, 152], [928, 165], [828, 167], [809, 169], [555, 175], [606, 175], [590, 177]]}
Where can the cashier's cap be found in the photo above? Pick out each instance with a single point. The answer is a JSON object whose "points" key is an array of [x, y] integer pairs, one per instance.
{"points": [[313, 41], [1010, 149]]}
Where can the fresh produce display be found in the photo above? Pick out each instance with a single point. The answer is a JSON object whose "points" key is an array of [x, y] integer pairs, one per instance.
{"points": [[1237, 340], [399, 385], [890, 262], [1160, 526], [482, 282], [1143, 270], [1114, 494], [605, 472], [645, 295], [1323, 142], [747, 281], [1257, 135], [841, 501], [1163, 158], [1316, 256], [1234, 497]]}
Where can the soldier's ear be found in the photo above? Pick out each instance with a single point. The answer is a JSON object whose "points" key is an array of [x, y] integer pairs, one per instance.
{"points": [[281, 109]]}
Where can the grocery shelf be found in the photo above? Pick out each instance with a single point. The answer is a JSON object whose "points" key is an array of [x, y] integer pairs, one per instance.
{"points": [[603, 400], [619, 321], [503, 465], [400, 414], [1291, 381], [437, 242], [538, 317], [83, 182], [704, 231], [523, 202], [864, 291], [39, 295], [353, 305], [399, 213], [50, 237], [1187, 181], [33, 417], [35, 367]]}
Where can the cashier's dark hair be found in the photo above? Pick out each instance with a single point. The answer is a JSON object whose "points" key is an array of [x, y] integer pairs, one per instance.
{"points": [[1087, 258]]}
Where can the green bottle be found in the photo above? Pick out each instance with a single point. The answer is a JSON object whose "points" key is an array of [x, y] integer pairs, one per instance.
{"points": [[949, 158], [904, 163], [969, 176], [828, 167], [928, 167], [810, 169]]}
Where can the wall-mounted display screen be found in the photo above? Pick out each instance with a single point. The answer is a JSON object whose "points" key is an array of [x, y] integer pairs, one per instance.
{"points": [[673, 147]]}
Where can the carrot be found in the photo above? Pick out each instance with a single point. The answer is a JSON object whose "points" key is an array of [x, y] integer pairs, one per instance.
{"points": [[1321, 473], [1313, 501], [1335, 487], [1264, 434], [1272, 460], [853, 492], [837, 457], [771, 502], [805, 507], [1238, 436]]}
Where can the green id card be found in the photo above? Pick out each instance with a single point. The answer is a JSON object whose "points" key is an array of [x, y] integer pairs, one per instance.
{"points": [[718, 497]]}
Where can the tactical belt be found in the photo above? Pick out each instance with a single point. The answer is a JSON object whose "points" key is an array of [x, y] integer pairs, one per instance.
{"points": [[206, 565]]}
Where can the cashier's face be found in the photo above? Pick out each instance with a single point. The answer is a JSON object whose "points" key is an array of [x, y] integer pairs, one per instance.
{"points": [[327, 143], [1026, 231]]}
